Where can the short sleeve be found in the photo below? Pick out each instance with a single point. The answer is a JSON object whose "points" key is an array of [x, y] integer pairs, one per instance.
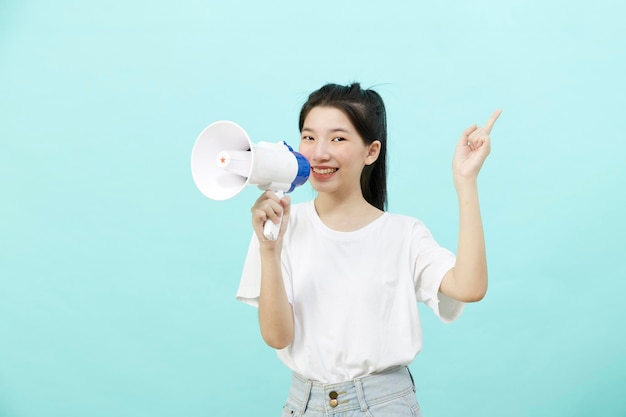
{"points": [[250, 281], [431, 262]]}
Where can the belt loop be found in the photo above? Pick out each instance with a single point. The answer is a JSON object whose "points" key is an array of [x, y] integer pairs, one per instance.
{"points": [[307, 397], [359, 393]]}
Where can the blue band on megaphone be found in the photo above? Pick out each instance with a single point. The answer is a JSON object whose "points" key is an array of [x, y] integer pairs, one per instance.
{"points": [[304, 169], [288, 147]]}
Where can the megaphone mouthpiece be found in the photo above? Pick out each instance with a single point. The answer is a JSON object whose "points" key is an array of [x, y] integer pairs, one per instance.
{"points": [[237, 162]]}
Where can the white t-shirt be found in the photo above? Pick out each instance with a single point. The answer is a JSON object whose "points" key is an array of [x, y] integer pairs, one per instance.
{"points": [[355, 294]]}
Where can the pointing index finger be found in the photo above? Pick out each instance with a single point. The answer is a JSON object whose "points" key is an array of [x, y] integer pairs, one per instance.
{"points": [[492, 120]]}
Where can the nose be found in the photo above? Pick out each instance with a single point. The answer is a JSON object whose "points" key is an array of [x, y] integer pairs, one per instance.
{"points": [[319, 151]]}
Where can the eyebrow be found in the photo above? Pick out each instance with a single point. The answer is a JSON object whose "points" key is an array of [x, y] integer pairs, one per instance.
{"points": [[337, 129]]}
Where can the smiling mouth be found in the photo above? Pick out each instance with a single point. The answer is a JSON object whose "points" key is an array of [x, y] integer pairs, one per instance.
{"points": [[324, 171]]}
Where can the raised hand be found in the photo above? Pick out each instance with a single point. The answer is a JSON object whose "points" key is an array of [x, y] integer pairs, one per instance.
{"points": [[472, 150]]}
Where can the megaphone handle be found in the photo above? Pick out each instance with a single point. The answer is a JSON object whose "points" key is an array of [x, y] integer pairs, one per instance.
{"points": [[271, 229]]}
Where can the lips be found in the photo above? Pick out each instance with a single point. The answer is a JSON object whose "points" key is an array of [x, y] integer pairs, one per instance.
{"points": [[324, 171]]}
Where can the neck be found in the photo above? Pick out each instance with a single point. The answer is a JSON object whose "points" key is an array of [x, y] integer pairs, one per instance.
{"points": [[329, 203], [345, 213]]}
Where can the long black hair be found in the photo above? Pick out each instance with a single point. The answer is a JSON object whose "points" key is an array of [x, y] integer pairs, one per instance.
{"points": [[366, 111]]}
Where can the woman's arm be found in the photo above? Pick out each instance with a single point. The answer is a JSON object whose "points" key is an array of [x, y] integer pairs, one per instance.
{"points": [[275, 311], [467, 281]]}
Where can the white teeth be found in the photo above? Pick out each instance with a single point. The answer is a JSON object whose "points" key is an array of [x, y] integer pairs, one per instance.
{"points": [[324, 170]]}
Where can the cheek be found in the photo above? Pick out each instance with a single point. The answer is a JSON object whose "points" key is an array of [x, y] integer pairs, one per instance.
{"points": [[305, 151]]}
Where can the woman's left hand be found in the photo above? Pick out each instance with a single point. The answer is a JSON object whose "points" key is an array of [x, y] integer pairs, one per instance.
{"points": [[472, 150]]}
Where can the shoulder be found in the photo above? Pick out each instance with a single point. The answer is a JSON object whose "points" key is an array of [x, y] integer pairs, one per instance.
{"points": [[300, 215], [300, 206], [299, 209], [411, 230], [405, 222]]}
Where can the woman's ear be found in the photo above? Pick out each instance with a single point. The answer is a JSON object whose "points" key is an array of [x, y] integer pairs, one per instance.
{"points": [[373, 150]]}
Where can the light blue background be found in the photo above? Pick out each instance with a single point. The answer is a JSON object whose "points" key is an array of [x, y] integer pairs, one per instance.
{"points": [[117, 277]]}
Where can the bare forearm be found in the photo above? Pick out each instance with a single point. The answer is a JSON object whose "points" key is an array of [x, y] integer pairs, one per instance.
{"points": [[470, 272], [275, 311]]}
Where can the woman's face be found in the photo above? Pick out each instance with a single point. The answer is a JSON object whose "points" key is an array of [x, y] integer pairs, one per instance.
{"points": [[335, 150]]}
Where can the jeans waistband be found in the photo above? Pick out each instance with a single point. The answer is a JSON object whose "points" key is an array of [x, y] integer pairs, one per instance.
{"points": [[359, 393]]}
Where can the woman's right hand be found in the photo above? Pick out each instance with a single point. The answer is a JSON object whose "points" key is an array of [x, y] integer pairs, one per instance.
{"points": [[269, 207]]}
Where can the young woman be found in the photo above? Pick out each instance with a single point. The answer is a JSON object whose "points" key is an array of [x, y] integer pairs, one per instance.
{"points": [[337, 292]]}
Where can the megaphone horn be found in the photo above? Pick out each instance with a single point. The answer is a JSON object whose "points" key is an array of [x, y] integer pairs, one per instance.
{"points": [[224, 161]]}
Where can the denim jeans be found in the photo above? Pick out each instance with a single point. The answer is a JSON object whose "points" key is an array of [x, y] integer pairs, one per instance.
{"points": [[387, 394]]}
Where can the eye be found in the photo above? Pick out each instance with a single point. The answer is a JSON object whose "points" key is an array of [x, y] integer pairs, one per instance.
{"points": [[307, 138], [338, 139]]}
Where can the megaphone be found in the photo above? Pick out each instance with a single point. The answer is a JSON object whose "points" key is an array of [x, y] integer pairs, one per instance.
{"points": [[224, 161]]}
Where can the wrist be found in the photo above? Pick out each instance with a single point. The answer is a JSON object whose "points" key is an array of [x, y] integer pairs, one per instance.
{"points": [[270, 249], [465, 183]]}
